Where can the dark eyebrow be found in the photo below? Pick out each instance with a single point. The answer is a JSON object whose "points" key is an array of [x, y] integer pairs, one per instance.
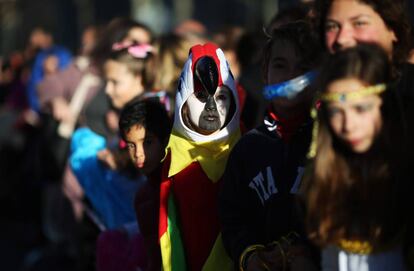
{"points": [[329, 20], [359, 16]]}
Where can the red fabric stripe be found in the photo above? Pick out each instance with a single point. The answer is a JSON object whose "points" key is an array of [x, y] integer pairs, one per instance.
{"points": [[196, 200], [164, 192]]}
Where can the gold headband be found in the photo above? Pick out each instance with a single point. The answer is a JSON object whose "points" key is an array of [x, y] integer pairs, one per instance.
{"points": [[339, 97], [351, 96]]}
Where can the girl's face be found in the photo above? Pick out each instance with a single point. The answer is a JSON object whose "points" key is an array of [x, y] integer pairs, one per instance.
{"points": [[121, 84], [354, 122], [145, 149], [208, 113], [350, 22]]}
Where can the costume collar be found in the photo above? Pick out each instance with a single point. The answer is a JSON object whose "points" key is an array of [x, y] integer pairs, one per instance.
{"points": [[212, 155], [285, 128]]}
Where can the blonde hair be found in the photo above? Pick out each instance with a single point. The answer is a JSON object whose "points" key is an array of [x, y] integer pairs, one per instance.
{"points": [[172, 54]]}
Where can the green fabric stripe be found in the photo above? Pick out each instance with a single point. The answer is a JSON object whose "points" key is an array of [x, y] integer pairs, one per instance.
{"points": [[177, 249]]}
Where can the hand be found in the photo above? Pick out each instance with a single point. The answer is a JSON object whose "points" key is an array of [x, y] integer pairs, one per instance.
{"points": [[300, 258], [269, 260], [302, 263], [50, 64], [108, 159], [61, 110], [112, 120]]}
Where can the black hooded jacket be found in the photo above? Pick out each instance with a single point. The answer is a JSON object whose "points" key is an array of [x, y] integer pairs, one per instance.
{"points": [[257, 200]]}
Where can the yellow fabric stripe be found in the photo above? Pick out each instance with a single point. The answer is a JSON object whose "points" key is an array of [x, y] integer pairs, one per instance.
{"points": [[212, 156], [165, 245], [218, 259]]}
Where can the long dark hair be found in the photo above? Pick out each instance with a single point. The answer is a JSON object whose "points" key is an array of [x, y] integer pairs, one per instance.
{"points": [[351, 195], [394, 15]]}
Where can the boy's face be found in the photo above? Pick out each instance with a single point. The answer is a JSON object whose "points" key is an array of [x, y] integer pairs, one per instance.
{"points": [[145, 149], [285, 64]]}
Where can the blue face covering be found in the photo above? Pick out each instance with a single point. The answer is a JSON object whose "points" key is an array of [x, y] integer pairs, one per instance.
{"points": [[289, 89]]}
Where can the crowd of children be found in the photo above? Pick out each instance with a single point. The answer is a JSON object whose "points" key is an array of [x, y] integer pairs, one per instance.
{"points": [[149, 155]]}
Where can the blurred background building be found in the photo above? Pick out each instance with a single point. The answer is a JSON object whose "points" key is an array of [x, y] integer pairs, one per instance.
{"points": [[67, 18]]}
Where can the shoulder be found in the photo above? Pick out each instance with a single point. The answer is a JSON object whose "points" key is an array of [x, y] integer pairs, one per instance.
{"points": [[405, 84], [257, 136], [254, 145]]}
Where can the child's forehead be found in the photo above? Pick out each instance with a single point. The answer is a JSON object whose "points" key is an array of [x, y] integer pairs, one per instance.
{"points": [[286, 49], [139, 128], [136, 128], [112, 65]]}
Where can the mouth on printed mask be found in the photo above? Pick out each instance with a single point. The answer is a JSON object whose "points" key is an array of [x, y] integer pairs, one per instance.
{"points": [[211, 118]]}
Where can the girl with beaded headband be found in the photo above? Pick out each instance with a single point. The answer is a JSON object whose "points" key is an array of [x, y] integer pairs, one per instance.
{"points": [[354, 189]]}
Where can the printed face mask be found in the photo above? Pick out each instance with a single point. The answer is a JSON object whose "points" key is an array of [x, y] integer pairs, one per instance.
{"points": [[209, 105], [289, 89], [208, 113]]}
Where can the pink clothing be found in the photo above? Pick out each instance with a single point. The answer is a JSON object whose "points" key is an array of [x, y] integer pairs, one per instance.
{"points": [[63, 84], [116, 250]]}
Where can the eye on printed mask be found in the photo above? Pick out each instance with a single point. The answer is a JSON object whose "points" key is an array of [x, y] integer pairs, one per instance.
{"points": [[289, 89]]}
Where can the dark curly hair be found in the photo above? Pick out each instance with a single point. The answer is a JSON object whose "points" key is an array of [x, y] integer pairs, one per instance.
{"points": [[147, 113]]}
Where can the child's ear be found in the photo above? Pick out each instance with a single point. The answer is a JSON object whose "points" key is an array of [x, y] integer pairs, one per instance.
{"points": [[186, 117], [138, 77]]}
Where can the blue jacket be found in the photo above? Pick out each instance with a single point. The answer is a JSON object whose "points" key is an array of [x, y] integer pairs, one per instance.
{"points": [[110, 193]]}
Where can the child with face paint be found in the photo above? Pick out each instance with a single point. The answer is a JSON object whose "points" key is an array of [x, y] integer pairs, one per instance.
{"points": [[206, 127], [356, 189], [262, 230]]}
